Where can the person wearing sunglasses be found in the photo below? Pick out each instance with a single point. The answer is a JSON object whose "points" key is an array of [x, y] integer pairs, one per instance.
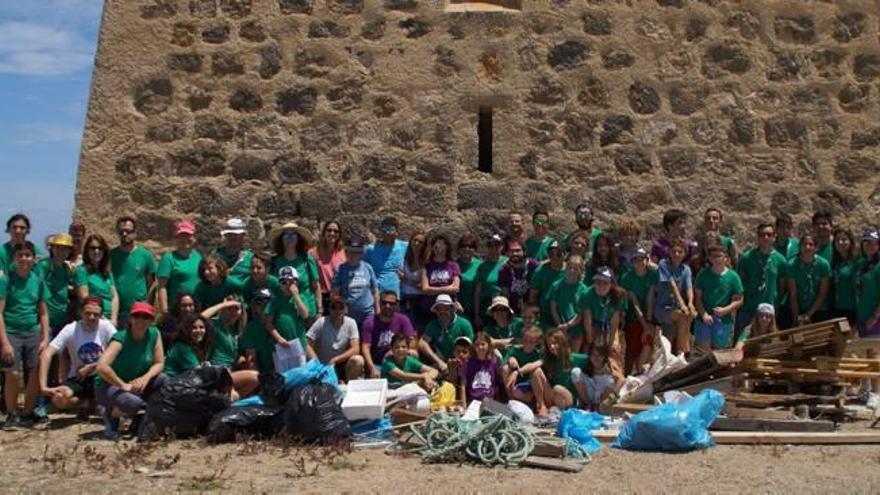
{"points": [[380, 329], [291, 243], [468, 266], [233, 251], [94, 278], [133, 267], [762, 323], [386, 256], [356, 283], [761, 269], [334, 341], [536, 245], [583, 216], [329, 255]]}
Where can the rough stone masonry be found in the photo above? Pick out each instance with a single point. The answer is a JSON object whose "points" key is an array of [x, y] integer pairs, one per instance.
{"points": [[354, 109]]}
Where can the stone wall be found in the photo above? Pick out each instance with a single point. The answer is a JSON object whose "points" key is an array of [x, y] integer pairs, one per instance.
{"points": [[312, 109]]}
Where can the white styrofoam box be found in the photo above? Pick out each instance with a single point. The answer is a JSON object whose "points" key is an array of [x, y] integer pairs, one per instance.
{"points": [[365, 399]]}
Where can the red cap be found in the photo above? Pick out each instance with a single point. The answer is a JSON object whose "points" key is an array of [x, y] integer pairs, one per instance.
{"points": [[185, 227], [142, 308]]}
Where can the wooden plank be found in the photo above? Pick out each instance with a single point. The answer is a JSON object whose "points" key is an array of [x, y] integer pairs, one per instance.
{"points": [[775, 437], [550, 447], [626, 407], [552, 464], [771, 400], [742, 424], [724, 385], [732, 410]]}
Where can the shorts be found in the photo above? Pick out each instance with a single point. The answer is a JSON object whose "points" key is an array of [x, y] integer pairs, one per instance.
{"points": [[523, 386], [596, 385], [25, 355], [864, 331], [82, 389], [719, 333]]}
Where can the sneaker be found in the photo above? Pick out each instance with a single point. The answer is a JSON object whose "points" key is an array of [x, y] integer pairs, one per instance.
{"points": [[12, 422], [39, 415], [111, 428], [28, 420], [134, 426]]}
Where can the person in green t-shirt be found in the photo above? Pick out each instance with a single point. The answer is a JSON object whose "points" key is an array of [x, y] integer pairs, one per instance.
{"points": [[809, 281], [291, 244], [486, 281], [233, 252], [844, 266], [603, 309], [130, 369], [712, 219], [24, 333], [544, 277], [227, 322], [214, 284], [133, 267], [823, 234], [718, 293], [192, 344], [256, 342], [468, 267], [505, 328], [94, 277], [521, 369], [400, 367], [583, 216], [441, 333], [868, 285], [178, 270], [536, 245], [555, 372], [288, 311], [785, 244], [565, 296], [639, 283], [260, 278], [18, 226], [761, 269], [58, 273]]}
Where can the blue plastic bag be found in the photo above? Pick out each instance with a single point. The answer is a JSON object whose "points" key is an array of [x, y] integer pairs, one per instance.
{"points": [[578, 426], [313, 370], [673, 427]]}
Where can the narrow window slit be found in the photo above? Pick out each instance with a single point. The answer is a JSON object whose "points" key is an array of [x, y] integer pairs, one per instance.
{"points": [[484, 136]]}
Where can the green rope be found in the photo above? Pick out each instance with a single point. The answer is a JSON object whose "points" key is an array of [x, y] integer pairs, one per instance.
{"points": [[490, 440]]}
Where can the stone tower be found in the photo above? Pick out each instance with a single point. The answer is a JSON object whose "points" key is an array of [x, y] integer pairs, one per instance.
{"points": [[451, 113]]}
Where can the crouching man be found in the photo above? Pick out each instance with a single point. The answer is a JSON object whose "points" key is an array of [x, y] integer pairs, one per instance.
{"points": [[334, 340]]}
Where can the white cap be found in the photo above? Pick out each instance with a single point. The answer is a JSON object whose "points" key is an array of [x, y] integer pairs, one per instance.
{"points": [[234, 226]]}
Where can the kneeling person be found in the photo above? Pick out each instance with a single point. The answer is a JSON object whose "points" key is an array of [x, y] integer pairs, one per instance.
{"points": [[400, 367], [334, 340], [85, 341]]}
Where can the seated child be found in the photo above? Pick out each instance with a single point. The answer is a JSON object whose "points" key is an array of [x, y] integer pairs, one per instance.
{"points": [[522, 366], [400, 367], [481, 375], [597, 380]]}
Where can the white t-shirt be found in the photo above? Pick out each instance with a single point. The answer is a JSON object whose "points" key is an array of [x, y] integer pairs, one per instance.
{"points": [[83, 346], [330, 341]]}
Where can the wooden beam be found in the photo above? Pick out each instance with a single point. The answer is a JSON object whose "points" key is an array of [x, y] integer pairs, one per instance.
{"points": [[627, 407], [754, 424], [724, 385], [774, 437], [552, 464], [732, 410]]}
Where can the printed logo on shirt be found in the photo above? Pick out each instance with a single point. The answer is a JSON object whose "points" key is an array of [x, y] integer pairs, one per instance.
{"points": [[90, 352], [440, 277], [482, 380], [385, 338]]}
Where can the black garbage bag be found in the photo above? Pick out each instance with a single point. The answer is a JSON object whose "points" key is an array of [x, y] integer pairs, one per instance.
{"points": [[272, 389], [313, 415], [256, 421], [187, 402]]}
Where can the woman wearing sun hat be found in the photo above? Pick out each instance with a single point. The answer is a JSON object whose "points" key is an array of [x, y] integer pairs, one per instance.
{"points": [[291, 244], [58, 273]]}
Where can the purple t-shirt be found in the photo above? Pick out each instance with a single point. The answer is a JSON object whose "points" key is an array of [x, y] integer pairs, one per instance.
{"points": [[481, 379], [662, 246], [440, 274], [517, 281], [378, 334]]}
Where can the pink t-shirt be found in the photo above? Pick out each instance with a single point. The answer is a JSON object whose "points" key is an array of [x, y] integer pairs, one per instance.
{"points": [[327, 267]]}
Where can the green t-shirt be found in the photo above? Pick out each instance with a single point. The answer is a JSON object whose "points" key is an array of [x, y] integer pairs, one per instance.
{"points": [[256, 337], [567, 298], [467, 283], [98, 286], [537, 249], [59, 279], [410, 365], [239, 264], [593, 235], [760, 274], [787, 247], [807, 278], [826, 251], [180, 358], [23, 296], [307, 269], [7, 261], [641, 287], [443, 340], [522, 357], [207, 295], [513, 330], [286, 318], [868, 290], [487, 276], [601, 308], [563, 376], [542, 279], [718, 290], [729, 246], [131, 272], [844, 285], [250, 288], [136, 357], [181, 273], [225, 349]]}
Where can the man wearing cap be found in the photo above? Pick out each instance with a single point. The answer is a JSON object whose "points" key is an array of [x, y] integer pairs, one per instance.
{"points": [[356, 283], [233, 252], [544, 278], [442, 332], [84, 341], [57, 272], [179, 269], [334, 341], [486, 281], [515, 275], [386, 256], [760, 269], [378, 330], [133, 267], [536, 245], [583, 216]]}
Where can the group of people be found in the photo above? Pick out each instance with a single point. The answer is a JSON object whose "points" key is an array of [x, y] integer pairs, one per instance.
{"points": [[548, 320]]}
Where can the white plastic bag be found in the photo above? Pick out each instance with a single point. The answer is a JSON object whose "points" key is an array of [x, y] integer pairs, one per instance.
{"points": [[638, 388], [287, 358]]}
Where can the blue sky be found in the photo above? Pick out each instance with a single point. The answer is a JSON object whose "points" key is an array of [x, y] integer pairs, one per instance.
{"points": [[47, 49]]}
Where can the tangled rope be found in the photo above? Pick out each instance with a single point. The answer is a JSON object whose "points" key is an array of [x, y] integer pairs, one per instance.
{"points": [[489, 440]]}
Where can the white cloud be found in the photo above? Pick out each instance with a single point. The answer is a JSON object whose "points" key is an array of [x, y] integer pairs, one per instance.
{"points": [[44, 132], [41, 50]]}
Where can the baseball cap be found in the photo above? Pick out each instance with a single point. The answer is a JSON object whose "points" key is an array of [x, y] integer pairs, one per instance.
{"points": [[464, 339], [288, 273], [603, 273], [355, 244], [766, 308], [495, 239], [142, 308], [234, 226], [871, 234], [640, 253], [185, 227], [263, 294]]}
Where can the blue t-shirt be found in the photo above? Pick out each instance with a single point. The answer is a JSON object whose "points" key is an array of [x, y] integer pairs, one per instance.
{"points": [[385, 261], [357, 284], [683, 279]]}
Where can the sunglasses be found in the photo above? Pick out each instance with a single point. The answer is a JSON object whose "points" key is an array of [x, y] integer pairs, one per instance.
{"points": [[388, 303], [290, 235]]}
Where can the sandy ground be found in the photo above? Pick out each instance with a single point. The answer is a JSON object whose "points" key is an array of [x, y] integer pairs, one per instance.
{"points": [[71, 457]]}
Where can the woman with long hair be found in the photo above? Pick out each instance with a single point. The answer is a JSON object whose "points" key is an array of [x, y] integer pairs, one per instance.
{"points": [[844, 263], [192, 345], [184, 307], [763, 323], [603, 310], [440, 274], [291, 244], [215, 284], [604, 254], [868, 285], [93, 277], [411, 280], [329, 254], [809, 280]]}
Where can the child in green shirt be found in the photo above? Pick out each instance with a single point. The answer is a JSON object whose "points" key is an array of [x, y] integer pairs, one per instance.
{"points": [[809, 280], [401, 367], [565, 296], [519, 371], [718, 294]]}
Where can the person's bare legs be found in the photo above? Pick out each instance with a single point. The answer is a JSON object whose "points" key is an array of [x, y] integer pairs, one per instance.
{"points": [[562, 397], [31, 392], [245, 382], [11, 391], [354, 368], [682, 332]]}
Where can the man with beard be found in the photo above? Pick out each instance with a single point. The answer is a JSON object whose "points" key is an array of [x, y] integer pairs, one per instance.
{"points": [[133, 266], [583, 215], [515, 276], [378, 331]]}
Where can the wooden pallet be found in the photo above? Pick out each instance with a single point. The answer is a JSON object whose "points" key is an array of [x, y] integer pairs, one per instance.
{"points": [[714, 365], [826, 338], [820, 370]]}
